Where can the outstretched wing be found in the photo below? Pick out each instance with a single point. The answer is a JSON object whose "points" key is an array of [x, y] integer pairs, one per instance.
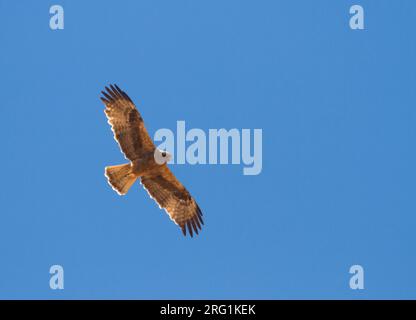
{"points": [[127, 123], [171, 195]]}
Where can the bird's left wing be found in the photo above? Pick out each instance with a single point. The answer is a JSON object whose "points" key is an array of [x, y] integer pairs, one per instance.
{"points": [[171, 195]]}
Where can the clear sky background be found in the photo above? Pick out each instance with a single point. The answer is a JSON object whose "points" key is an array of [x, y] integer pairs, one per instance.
{"points": [[337, 109]]}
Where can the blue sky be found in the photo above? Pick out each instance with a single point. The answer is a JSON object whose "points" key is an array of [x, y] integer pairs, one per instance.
{"points": [[337, 110]]}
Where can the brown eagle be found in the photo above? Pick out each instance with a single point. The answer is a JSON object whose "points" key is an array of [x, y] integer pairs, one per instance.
{"points": [[146, 162]]}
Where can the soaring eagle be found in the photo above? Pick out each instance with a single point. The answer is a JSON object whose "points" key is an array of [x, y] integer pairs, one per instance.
{"points": [[146, 162]]}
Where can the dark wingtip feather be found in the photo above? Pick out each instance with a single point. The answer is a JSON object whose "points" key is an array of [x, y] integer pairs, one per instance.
{"points": [[191, 226], [119, 90], [199, 210], [121, 93], [190, 229], [112, 92], [194, 226], [104, 100], [199, 215], [196, 219], [115, 91], [108, 97]]}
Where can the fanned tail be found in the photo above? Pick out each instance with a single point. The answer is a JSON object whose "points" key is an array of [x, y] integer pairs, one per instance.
{"points": [[120, 177]]}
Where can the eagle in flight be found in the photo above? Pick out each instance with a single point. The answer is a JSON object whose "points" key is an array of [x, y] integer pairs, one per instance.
{"points": [[147, 163]]}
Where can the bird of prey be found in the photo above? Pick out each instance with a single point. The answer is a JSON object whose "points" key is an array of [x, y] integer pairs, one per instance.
{"points": [[147, 163]]}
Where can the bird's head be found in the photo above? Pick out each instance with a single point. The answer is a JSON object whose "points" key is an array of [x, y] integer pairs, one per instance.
{"points": [[162, 156]]}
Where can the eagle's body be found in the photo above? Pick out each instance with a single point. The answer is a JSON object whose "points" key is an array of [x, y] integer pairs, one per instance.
{"points": [[147, 163]]}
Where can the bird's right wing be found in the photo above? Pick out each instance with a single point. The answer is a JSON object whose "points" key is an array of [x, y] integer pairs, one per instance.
{"points": [[126, 123]]}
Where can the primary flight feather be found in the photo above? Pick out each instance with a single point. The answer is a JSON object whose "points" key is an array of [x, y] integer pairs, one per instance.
{"points": [[147, 163]]}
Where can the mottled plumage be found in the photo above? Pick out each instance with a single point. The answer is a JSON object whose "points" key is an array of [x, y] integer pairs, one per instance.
{"points": [[137, 146]]}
